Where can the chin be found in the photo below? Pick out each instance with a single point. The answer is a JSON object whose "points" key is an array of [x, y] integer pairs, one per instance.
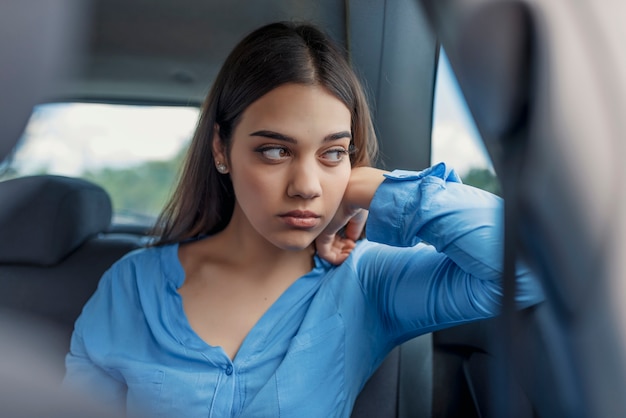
{"points": [[294, 244]]}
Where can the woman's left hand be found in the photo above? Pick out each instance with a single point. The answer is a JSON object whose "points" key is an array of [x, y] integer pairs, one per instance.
{"points": [[334, 246]]}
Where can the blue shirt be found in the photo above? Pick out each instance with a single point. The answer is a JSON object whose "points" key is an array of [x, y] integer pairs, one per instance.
{"points": [[432, 260]]}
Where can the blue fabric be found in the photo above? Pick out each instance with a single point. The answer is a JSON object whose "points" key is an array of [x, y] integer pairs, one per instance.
{"points": [[432, 259]]}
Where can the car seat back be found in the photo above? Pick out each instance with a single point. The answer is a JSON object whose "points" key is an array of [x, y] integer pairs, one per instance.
{"points": [[55, 248]]}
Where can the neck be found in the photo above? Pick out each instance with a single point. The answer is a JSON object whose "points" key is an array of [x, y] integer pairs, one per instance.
{"points": [[239, 244]]}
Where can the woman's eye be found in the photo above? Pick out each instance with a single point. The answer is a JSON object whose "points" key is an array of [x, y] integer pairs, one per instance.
{"points": [[274, 153], [335, 155]]}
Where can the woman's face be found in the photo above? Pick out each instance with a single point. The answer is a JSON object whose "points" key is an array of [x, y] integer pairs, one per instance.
{"points": [[289, 164]]}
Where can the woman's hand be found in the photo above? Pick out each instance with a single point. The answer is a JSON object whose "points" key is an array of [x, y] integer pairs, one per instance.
{"points": [[334, 246]]}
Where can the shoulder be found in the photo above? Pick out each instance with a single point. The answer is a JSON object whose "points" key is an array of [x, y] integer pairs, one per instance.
{"points": [[130, 283], [146, 258], [141, 267]]}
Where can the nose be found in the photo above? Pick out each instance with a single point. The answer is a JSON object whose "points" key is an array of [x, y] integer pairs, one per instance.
{"points": [[304, 181]]}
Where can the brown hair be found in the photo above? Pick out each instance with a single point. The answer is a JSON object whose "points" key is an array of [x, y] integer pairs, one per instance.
{"points": [[272, 55]]}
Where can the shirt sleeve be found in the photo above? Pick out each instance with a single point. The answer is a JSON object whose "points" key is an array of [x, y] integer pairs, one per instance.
{"points": [[442, 262]]}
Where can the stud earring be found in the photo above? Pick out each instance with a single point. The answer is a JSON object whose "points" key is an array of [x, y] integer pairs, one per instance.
{"points": [[221, 167]]}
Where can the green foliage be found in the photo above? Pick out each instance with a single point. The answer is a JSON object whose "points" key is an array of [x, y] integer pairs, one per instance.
{"points": [[483, 179], [140, 190]]}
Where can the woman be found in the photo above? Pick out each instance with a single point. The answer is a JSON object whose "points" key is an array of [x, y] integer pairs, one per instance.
{"points": [[259, 299]]}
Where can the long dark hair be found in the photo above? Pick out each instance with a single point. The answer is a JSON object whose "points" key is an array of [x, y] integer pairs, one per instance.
{"points": [[272, 55]]}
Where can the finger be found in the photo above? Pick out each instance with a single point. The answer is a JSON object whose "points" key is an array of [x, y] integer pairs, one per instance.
{"points": [[337, 257], [355, 225], [324, 246], [335, 250]]}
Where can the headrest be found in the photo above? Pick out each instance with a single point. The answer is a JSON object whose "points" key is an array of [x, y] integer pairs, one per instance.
{"points": [[44, 218]]}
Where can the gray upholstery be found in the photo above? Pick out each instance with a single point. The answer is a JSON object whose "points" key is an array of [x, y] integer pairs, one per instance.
{"points": [[58, 293], [54, 248], [402, 386], [467, 358], [44, 218], [379, 397]]}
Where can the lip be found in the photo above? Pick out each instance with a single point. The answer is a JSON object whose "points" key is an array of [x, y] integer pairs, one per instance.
{"points": [[302, 219]]}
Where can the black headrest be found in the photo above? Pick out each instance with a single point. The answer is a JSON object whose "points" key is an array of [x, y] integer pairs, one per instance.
{"points": [[44, 218]]}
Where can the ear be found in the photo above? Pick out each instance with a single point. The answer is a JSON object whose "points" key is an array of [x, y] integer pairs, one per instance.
{"points": [[219, 153]]}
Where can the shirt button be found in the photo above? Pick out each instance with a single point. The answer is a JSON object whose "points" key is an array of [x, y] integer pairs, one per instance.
{"points": [[229, 370]]}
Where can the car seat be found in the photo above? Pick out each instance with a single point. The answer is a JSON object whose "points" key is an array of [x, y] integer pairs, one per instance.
{"points": [[402, 386], [54, 247]]}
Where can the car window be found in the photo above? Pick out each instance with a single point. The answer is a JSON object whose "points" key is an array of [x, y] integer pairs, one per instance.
{"points": [[133, 152], [455, 138]]}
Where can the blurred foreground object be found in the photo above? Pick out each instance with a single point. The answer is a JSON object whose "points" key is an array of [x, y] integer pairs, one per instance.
{"points": [[30, 380], [40, 41], [546, 84], [39, 44]]}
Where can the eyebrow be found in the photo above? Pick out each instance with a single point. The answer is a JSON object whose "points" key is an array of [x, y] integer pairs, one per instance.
{"points": [[286, 138]]}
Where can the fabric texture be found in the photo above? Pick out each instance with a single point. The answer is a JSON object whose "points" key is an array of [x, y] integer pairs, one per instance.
{"points": [[432, 260]]}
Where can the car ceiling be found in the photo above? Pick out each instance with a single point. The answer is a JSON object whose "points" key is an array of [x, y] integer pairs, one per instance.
{"points": [[165, 50]]}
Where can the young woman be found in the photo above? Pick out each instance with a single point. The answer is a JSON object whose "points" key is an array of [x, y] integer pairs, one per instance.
{"points": [[259, 298]]}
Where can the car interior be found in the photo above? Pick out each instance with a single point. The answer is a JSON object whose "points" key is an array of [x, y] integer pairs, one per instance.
{"points": [[540, 79]]}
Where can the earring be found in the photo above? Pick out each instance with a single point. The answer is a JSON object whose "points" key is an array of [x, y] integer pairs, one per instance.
{"points": [[221, 167]]}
